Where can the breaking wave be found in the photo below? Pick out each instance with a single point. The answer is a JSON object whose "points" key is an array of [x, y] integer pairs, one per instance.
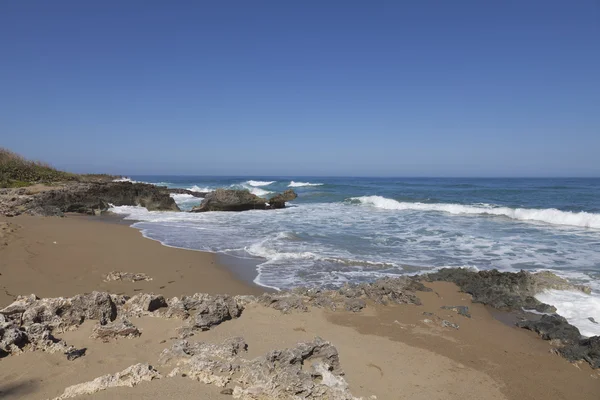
{"points": [[549, 215], [260, 183], [301, 184]]}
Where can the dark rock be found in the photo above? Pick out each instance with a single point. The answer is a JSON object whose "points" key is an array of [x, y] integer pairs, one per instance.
{"points": [[186, 191], [505, 290], [461, 310], [553, 327], [228, 391], [87, 198], [75, 354], [587, 349], [279, 200], [230, 200]]}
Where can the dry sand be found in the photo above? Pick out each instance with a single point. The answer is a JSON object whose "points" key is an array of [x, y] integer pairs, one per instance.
{"points": [[53, 257], [393, 352]]}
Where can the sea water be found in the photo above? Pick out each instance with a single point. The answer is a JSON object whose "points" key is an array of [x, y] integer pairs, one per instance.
{"points": [[359, 229]]}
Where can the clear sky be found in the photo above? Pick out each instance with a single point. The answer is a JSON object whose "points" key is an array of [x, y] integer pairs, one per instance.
{"points": [[376, 88]]}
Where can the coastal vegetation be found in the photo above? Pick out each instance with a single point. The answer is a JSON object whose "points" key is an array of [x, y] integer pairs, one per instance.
{"points": [[17, 171]]}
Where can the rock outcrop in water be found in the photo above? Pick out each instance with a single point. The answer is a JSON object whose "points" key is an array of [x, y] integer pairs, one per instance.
{"points": [[86, 198], [505, 290], [241, 200], [279, 200], [187, 191]]}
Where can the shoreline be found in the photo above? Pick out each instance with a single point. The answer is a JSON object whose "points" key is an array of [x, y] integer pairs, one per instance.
{"points": [[245, 269], [55, 257], [384, 350]]}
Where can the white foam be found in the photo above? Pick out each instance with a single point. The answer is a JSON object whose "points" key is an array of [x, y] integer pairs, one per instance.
{"points": [[260, 183], [258, 191], [125, 179], [549, 215], [186, 201], [205, 189], [301, 184], [576, 307]]}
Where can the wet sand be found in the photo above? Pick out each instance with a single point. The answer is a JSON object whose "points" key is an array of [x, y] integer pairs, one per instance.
{"points": [[393, 352]]}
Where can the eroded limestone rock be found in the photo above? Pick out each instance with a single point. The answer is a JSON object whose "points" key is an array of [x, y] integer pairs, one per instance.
{"points": [[120, 328], [129, 377]]}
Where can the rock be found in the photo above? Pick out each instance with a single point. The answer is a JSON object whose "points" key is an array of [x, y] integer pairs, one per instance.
{"points": [[279, 200], [143, 304], [126, 276], [284, 302], [93, 198], [587, 349], [461, 310], [280, 374], [505, 290], [205, 362], [399, 290], [186, 191], [448, 324], [75, 354], [116, 329], [230, 200], [355, 305], [129, 377], [288, 374], [214, 310], [573, 346], [553, 327], [32, 321]]}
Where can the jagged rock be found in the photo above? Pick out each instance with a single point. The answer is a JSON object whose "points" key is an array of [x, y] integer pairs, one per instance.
{"points": [[279, 200], [214, 310], [32, 321], [553, 327], [12, 339], [129, 377], [355, 305], [448, 324], [280, 374], [205, 362], [587, 349], [284, 374], [284, 302], [187, 191], [461, 310], [505, 290], [573, 346], [399, 290], [230, 200], [87, 198], [113, 330], [126, 276], [143, 304], [351, 297], [75, 354]]}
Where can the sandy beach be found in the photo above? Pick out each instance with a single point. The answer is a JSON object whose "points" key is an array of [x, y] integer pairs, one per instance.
{"points": [[392, 352]]}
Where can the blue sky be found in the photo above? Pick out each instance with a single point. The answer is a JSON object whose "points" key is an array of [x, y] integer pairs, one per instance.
{"points": [[382, 88]]}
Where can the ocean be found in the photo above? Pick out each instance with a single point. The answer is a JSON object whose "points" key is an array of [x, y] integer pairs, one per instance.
{"points": [[359, 229]]}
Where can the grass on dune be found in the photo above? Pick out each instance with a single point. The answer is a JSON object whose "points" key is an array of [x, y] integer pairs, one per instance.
{"points": [[16, 171]]}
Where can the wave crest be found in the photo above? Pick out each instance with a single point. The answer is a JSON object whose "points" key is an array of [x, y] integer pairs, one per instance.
{"points": [[548, 215], [260, 183], [301, 184]]}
